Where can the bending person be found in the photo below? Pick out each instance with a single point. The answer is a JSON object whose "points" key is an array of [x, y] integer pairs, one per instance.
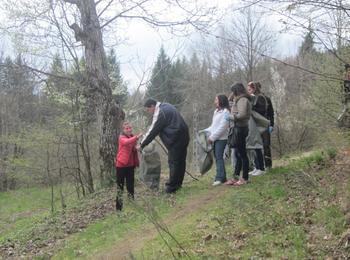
{"points": [[172, 129]]}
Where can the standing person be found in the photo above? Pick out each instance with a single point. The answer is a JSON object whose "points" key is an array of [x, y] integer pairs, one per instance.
{"points": [[266, 136], [172, 129], [218, 131], [125, 162], [232, 150], [240, 114], [259, 104]]}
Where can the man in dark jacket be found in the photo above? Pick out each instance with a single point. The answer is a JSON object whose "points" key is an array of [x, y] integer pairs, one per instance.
{"points": [[173, 131]]}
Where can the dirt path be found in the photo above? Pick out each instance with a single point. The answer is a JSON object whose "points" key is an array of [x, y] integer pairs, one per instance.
{"points": [[136, 240]]}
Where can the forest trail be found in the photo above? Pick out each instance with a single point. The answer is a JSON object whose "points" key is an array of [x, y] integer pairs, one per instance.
{"points": [[135, 240]]}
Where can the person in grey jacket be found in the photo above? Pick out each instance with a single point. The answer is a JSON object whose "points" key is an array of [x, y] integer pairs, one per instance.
{"points": [[240, 114], [218, 131]]}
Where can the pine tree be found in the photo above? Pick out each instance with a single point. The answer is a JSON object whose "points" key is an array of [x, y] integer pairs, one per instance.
{"points": [[176, 84], [119, 88], [159, 83], [308, 44]]}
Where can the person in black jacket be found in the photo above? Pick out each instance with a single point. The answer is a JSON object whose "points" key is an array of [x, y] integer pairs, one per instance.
{"points": [[259, 104], [266, 136], [172, 129]]}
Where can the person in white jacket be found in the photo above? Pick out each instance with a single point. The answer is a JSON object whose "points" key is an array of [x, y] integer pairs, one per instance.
{"points": [[217, 135]]}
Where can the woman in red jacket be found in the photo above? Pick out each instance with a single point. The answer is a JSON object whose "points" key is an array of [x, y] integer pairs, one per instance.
{"points": [[125, 162]]}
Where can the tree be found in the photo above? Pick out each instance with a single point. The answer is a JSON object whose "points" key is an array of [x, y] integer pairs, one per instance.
{"points": [[308, 44], [250, 39], [88, 19], [119, 88], [158, 87]]}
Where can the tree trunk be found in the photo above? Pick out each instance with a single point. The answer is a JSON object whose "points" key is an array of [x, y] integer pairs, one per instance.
{"points": [[79, 179], [49, 178], [98, 90], [84, 145]]}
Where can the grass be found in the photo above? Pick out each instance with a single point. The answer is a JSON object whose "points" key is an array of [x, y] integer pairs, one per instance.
{"points": [[21, 210], [285, 213], [276, 216], [102, 235]]}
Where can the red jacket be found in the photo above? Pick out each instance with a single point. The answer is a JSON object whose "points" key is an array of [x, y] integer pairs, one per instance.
{"points": [[127, 154]]}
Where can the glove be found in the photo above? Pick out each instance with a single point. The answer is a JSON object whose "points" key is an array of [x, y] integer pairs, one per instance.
{"points": [[270, 129]]}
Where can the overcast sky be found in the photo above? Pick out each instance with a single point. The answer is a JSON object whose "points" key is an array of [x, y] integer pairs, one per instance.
{"points": [[138, 54], [143, 45]]}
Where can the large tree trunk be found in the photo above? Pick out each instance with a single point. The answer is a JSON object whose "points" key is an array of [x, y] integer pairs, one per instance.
{"points": [[98, 90]]}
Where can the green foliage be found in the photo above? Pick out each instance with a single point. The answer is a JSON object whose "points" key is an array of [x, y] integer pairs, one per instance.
{"points": [[308, 44], [167, 82], [160, 76], [119, 88], [331, 152]]}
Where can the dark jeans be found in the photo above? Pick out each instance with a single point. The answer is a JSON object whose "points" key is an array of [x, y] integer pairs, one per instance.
{"points": [[219, 148], [241, 153], [124, 174], [259, 160], [177, 154], [266, 137]]}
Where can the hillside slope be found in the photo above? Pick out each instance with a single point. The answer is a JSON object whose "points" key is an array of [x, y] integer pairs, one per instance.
{"points": [[300, 209]]}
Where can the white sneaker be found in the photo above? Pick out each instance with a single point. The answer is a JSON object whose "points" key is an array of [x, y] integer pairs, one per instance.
{"points": [[258, 172], [217, 183], [253, 171]]}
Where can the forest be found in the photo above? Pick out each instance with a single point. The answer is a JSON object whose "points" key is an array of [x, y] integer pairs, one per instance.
{"points": [[63, 96]]}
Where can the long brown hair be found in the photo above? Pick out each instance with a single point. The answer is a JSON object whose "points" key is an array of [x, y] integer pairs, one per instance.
{"points": [[223, 101]]}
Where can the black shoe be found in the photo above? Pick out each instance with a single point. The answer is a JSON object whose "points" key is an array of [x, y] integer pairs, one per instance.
{"points": [[170, 190], [118, 205]]}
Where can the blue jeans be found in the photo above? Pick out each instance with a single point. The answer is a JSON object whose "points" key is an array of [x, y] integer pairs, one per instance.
{"points": [[219, 148]]}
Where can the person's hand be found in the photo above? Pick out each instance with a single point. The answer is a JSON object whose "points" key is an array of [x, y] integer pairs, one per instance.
{"points": [[210, 141], [139, 135], [270, 129]]}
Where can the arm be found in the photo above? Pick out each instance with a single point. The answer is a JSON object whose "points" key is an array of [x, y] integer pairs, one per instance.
{"points": [[123, 140], [208, 129], [242, 109], [223, 126], [158, 123]]}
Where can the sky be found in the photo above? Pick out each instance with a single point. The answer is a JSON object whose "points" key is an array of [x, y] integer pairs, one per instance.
{"points": [[138, 55]]}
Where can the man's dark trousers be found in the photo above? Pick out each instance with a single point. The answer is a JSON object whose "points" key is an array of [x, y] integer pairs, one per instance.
{"points": [[177, 164]]}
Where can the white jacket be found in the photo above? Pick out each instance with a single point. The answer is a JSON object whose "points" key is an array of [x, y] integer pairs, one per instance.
{"points": [[218, 130]]}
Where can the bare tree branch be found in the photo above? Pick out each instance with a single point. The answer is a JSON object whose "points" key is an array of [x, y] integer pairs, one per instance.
{"points": [[125, 11]]}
